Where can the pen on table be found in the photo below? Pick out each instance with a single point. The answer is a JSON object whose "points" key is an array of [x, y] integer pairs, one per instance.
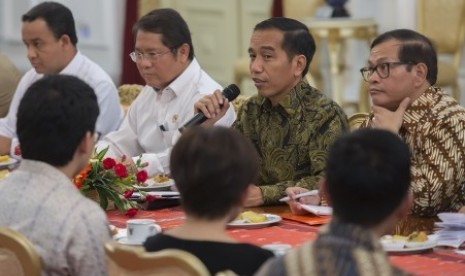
{"points": [[310, 193]]}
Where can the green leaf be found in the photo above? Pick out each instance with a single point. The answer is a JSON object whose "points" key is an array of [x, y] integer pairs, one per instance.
{"points": [[102, 153], [103, 198]]}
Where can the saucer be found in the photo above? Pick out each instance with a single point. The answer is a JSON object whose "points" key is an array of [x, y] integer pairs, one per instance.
{"points": [[124, 240]]}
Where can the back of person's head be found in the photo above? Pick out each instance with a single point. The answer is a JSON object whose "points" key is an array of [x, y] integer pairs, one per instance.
{"points": [[212, 169], [297, 38], [368, 176], [59, 19], [415, 48], [54, 115], [170, 24]]}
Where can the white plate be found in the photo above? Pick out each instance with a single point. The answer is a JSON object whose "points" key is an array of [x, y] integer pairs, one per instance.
{"points": [[408, 247], [9, 162], [318, 210], [240, 223], [154, 186]]}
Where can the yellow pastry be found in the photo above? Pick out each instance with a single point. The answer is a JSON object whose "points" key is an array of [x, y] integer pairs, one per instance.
{"points": [[417, 237], [253, 217], [4, 158]]}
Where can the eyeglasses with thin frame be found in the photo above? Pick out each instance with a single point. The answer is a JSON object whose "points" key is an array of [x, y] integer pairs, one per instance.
{"points": [[151, 56], [383, 69]]}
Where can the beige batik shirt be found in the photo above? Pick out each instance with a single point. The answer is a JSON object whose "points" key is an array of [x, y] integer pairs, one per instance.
{"points": [[434, 129], [292, 138], [340, 249]]}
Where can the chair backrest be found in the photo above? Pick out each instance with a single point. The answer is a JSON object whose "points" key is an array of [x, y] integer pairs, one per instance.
{"points": [[9, 79], [128, 93], [124, 260], [443, 21], [17, 255], [356, 120], [300, 9]]}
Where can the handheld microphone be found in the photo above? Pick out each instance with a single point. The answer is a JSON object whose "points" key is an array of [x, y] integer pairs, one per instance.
{"points": [[230, 92]]}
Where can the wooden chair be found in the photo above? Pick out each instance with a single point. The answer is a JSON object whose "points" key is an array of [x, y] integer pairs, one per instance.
{"points": [[9, 79], [17, 255], [124, 260], [356, 120], [444, 23], [128, 93]]}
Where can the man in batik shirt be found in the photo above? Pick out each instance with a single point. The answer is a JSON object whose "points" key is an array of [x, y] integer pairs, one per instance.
{"points": [[429, 121], [291, 123], [368, 179]]}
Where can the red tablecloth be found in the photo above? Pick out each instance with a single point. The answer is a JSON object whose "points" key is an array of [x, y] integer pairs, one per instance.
{"points": [[437, 262]]}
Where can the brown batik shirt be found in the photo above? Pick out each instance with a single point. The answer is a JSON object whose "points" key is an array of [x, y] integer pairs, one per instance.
{"points": [[292, 138], [434, 129]]}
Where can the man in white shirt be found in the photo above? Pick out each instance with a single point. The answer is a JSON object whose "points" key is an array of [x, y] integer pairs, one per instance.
{"points": [[49, 34], [174, 82], [56, 128]]}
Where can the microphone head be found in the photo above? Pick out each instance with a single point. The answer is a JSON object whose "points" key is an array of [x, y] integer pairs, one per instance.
{"points": [[231, 92]]}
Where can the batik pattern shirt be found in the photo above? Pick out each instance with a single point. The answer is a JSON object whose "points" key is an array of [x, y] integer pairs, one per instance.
{"points": [[434, 129], [292, 138], [340, 249]]}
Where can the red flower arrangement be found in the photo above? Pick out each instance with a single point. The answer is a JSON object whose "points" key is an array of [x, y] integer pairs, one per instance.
{"points": [[113, 181]]}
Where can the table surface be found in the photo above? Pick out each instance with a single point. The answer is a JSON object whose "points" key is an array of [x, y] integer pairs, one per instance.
{"points": [[433, 262]]}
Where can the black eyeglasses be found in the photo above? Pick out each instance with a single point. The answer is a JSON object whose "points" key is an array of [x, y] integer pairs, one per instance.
{"points": [[383, 69]]}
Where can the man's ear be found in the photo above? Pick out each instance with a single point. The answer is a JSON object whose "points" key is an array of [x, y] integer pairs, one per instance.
{"points": [[87, 144], [300, 61], [420, 71], [183, 52], [65, 40]]}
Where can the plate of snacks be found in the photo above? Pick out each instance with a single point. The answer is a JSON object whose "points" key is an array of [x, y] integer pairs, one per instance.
{"points": [[6, 160], [157, 183], [416, 242], [250, 219]]}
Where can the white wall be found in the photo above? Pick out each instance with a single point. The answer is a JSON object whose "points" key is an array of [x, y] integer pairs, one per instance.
{"points": [[99, 24]]}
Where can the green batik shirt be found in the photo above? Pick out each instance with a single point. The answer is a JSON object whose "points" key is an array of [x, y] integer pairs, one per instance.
{"points": [[291, 138]]}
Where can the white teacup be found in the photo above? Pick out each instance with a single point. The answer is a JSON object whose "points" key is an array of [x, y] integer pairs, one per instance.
{"points": [[138, 230]]}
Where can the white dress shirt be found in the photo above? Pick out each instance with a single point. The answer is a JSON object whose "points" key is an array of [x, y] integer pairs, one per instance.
{"points": [[111, 112], [150, 128]]}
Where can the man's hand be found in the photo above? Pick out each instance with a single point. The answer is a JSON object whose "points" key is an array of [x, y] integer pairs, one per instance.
{"points": [[296, 209], [389, 120], [213, 106], [254, 197]]}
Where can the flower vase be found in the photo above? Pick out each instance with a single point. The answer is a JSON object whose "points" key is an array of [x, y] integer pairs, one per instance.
{"points": [[93, 195]]}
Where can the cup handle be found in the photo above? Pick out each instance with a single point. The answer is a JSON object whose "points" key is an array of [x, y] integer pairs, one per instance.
{"points": [[154, 229]]}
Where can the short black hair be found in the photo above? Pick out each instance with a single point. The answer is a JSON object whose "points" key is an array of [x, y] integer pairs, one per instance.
{"points": [[415, 48], [54, 115], [297, 38], [58, 18], [212, 168], [368, 175], [170, 24]]}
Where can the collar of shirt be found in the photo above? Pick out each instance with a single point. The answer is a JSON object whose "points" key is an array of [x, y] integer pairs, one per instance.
{"points": [[291, 101], [184, 82], [73, 66]]}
